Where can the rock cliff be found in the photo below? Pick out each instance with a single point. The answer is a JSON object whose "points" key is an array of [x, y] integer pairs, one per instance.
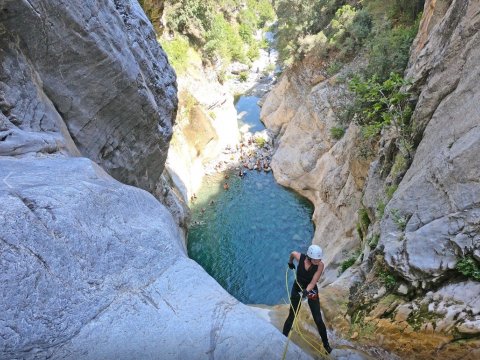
{"points": [[92, 268], [206, 124], [328, 172], [407, 288]]}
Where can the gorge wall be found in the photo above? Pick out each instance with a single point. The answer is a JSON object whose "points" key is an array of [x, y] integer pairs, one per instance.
{"points": [[206, 123], [404, 293], [92, 267]]}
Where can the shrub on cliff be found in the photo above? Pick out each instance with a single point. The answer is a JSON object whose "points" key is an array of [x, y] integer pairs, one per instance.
{"points": [[191, 17], [379, 104], [388, 26], [224, 41], [178, 53], [389, 50], [469, 268]]}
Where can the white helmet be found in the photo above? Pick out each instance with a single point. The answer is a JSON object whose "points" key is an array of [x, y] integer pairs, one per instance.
{"points": [[315, 252]]}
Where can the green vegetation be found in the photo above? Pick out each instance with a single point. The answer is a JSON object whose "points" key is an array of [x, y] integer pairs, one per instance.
{"points": [[419, 317], [387, 27], [364, 328], [224, 41], [324, 25], [243, 76], [389, 50], [388, 280], [390, 191], [384, 273], [187, 105], [348, 262], [335, 31], [400, 165], [399, 220], [373, 241], [469, 267], [260, 142], [221, 31], [178, 53], [337, 132], [380, 209], [382, 103], [363, 223], [334, 67]]}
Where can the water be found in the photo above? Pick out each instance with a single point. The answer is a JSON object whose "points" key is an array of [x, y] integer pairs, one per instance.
{"points": [[249, 114], [243, 237]]}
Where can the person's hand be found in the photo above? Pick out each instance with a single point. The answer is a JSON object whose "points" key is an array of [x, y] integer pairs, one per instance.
{"points": [[291, 266], [312, 295]]}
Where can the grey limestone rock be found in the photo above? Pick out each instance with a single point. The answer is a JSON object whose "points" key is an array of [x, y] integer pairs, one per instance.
{"points": [[94, 269], [102, 71], [91, 268], [440, 194]]}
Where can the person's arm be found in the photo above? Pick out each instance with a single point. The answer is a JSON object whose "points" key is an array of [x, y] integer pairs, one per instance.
{"points": [[316, 277], [294, 255]]}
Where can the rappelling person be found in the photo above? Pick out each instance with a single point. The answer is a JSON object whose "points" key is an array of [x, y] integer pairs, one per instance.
{"points": [[310, 267]]}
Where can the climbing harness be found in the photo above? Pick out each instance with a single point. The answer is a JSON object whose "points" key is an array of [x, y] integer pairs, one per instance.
{"points": [[295, 326]]}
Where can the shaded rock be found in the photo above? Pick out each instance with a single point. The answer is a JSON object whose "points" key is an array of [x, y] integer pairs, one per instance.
{"points": [[112, 84], [440, 193]]}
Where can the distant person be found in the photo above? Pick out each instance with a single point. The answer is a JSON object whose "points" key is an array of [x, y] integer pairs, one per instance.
{"points": [[310, 267]]}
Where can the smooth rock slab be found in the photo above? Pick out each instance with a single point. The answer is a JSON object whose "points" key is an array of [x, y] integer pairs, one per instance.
{"points": [[94, 269]]}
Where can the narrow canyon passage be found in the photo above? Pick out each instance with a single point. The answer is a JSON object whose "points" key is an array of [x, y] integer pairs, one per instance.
{"points": [[243, 236]]}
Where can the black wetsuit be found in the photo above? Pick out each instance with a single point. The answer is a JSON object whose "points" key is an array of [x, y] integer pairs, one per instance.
{"points": [[304, 278]]}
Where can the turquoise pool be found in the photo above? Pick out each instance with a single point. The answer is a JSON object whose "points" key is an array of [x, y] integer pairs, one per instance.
{"points": [[243, 236]]}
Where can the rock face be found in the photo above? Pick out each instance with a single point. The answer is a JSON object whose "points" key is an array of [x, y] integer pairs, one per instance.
{"points": [[91, 268], [206, 124], [308, 159], [408, 288], [100, 68], [440, 193]]}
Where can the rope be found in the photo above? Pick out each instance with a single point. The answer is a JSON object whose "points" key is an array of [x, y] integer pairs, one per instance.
{"points": [[295, 326]]}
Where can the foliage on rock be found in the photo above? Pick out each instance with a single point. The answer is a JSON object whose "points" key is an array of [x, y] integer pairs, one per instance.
{"points": [[469, 267]]}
